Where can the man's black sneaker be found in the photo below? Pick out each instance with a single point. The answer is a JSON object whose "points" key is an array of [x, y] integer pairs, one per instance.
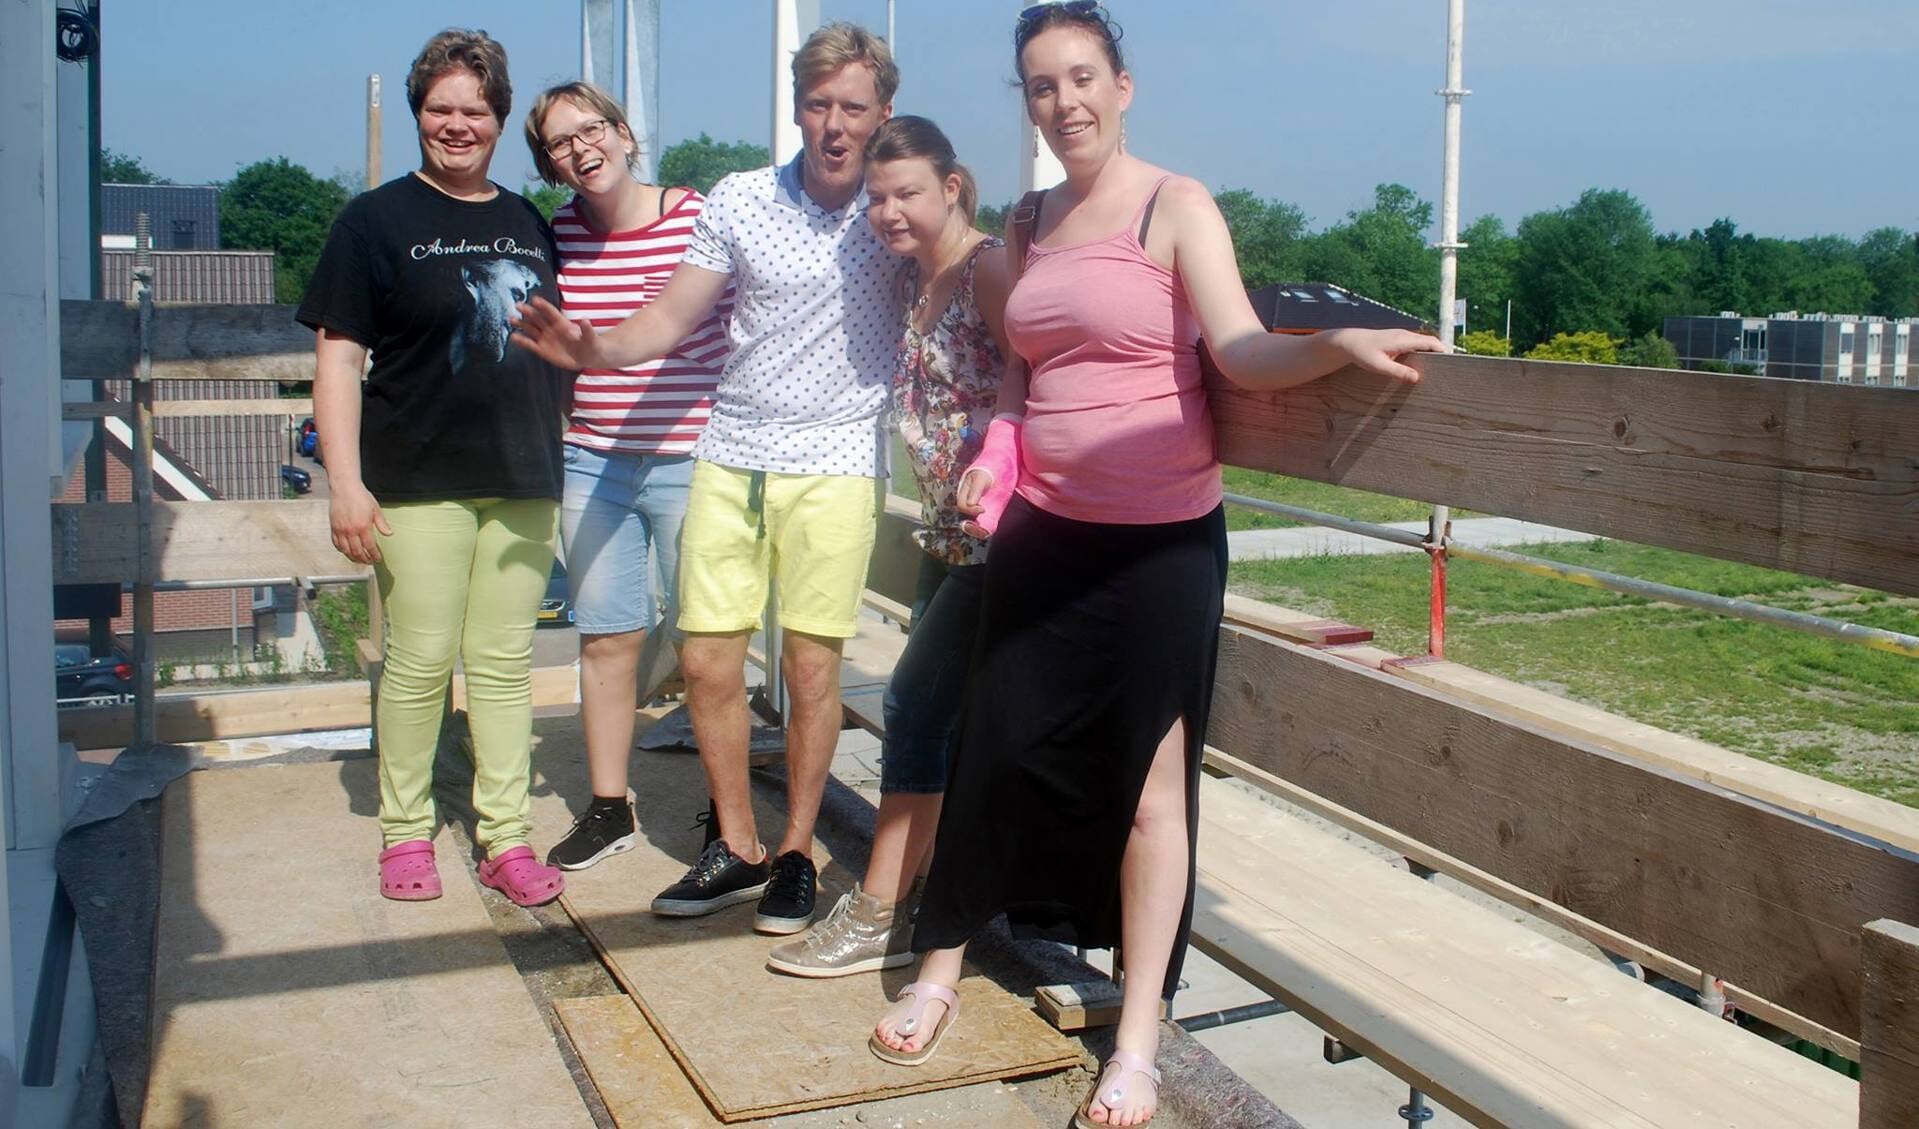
{"points": [[720, 879], [604, 828], [788, 904]]}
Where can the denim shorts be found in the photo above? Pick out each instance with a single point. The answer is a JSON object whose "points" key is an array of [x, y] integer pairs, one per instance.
{"points": [[922, 701], [619, 518]]}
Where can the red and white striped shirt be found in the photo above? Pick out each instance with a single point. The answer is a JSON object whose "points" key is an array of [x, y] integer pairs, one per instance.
{"points": [[658, 408]]}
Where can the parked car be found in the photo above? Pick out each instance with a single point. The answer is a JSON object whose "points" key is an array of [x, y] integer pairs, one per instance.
{"points": [[556, 608], [299, 480], [309, 440], [81, 678]]}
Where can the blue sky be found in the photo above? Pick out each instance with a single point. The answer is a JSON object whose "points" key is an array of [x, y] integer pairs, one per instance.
{"points": [[1793, 117]]}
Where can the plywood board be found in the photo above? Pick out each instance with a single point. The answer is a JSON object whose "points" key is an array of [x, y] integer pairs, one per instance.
{"points": [[1765, 898], [1798, 475], [703, 982], [1507, 1027], [288, 992], [642, 1086]]}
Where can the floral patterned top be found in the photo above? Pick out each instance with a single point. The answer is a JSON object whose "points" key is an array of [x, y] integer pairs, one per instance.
{"points": [[945, 386]]}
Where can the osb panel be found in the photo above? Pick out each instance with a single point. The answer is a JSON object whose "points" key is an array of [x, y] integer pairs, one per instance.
{"points": [[288, 992], [755, 1044]]}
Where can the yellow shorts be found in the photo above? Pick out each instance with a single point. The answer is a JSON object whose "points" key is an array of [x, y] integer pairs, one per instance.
{"points": [[811, 533]]}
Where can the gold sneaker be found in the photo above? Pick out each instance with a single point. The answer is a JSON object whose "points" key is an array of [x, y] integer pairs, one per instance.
{"points": [[861, 934]]}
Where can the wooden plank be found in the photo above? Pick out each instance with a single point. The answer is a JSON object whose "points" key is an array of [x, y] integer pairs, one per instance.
{"points": [[1764, 898], [94, 542], [1300, 627], [1834, 803], [1611, 940], [702, 981], [288, 992], [267, 710], [1889, 1068], [1506, 1027], [1798, 475], [167, 409], [100, 341]]}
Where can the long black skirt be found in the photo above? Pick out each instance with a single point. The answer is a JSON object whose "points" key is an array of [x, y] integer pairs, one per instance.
{"points": [[1093, 640]]}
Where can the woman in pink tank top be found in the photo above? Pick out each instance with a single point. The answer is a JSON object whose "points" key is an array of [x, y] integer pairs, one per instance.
{"points": [[1075, 771]]}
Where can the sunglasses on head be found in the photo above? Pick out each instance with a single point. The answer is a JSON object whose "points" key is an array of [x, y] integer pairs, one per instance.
{"points": [[1070, 7]]}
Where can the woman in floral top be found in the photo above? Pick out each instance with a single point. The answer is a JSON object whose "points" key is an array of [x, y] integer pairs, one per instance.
{"points": [[945, 383]]}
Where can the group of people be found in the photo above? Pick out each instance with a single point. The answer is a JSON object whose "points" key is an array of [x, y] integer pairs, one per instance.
{"points": [[698, 385]]}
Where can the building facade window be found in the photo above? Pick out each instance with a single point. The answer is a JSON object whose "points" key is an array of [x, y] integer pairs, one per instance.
{"points": [[1901, 353], [1875, 348]]}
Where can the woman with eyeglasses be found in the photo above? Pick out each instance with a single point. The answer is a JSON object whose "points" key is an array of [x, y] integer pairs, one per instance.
{"points": [[1072, 804], [629, 442], [444, 463]]}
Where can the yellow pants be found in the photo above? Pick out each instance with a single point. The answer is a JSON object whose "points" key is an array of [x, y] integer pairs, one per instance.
{"points": [[461, 579]]}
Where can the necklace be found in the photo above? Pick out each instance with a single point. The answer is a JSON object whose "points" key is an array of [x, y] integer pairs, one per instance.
{"points": [[923, 295]]}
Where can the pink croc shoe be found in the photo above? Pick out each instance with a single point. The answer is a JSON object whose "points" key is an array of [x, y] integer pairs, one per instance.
{"points": [[407, 873], [525, 880]]}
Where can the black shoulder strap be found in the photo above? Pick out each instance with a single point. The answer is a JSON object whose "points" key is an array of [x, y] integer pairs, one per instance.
{"points": [[663, 193], [1020, 225], [1146, 216]]}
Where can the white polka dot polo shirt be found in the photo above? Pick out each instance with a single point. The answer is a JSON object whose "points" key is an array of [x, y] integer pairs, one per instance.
{"points": [[813, 331]]}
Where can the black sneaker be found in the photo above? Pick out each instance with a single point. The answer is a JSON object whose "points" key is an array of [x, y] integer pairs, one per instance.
{"points": [[604, 828], [720, 879], [788, 904]]}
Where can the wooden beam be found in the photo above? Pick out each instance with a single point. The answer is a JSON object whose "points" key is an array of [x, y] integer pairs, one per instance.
{"points": [[1836, 804], [1764, 898], [94, 542], [1300, 627], [217, 716], [100, 341], [1889, 1066], [171, 409], [1797, 475]]}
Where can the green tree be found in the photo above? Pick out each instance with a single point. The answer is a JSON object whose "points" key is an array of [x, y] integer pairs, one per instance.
{"points": [[279, 206], [1266, 237], [125, 168], [700, 162], [1484, 343], [1486, 271], [1828, 277], [991, 219], [1381, 252], [1588, 348], [1891, 261], [1590, 266], [1649, 351], [547, 198]]}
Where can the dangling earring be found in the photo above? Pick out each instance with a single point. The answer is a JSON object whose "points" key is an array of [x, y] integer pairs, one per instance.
{"points": [[1122, 131]]}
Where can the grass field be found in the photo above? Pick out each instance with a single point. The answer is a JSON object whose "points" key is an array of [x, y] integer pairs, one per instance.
{"points": [[1833, 709]]}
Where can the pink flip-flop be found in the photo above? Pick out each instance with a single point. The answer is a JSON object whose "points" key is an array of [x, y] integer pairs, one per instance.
{"points": [[407, 873], [525, 880]]}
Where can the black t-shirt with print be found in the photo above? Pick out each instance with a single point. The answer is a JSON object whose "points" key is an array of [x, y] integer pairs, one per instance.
{"points": [[426, 282]]}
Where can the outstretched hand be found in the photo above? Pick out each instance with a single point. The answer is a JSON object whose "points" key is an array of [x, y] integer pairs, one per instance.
{"points": [[1381, 350], [550, 335]]}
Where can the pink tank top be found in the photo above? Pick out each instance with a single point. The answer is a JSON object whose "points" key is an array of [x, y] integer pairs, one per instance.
{"points": [[1116, 424]]}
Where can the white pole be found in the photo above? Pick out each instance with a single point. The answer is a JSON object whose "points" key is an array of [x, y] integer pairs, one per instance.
{"points": [[1449, 244], [892, 44], [793, 21], [596, 42], [641, 92], [1038, 168]]}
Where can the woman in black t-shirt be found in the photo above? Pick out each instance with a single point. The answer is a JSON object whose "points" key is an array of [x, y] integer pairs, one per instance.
{"points": [[444, 465]]}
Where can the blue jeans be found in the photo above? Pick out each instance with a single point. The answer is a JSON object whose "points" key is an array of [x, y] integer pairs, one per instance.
{"points": [[922, 701], [621, 515]]}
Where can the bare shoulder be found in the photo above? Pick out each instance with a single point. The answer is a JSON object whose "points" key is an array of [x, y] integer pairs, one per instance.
{"points": [[1187, 196]]}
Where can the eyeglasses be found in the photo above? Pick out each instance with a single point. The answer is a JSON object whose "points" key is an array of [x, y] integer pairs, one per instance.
{"points": [[592, 133], [1070, 7]]}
